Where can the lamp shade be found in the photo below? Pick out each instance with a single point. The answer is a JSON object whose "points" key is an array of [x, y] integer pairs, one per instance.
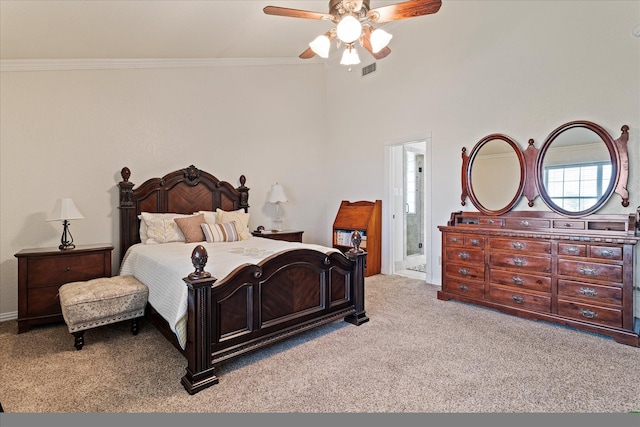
{"points": [[276, 195], [349, 29], [350, 56], [320, 46], [64, 209], [379, 40]]}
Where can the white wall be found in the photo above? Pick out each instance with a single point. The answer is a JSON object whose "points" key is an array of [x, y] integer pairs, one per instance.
{"points": [[69, 133], [476, 67]]}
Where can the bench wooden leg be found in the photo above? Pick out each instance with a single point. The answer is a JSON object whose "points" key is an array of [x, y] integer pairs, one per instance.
{"points": [[79, 339]]}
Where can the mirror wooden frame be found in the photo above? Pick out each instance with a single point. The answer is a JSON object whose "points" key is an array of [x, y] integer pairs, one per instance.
{"points": [[467, 182], [532, 170], [619, 166]]}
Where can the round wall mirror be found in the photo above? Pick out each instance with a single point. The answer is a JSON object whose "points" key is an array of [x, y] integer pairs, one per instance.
{"points": [[495, 174], [577, 168]]}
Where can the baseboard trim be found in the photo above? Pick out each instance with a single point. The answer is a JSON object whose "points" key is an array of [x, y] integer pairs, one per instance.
{"points": [[12, 315]]}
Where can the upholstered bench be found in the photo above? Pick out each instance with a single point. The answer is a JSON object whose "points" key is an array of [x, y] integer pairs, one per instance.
{"points": [[102, 301]]}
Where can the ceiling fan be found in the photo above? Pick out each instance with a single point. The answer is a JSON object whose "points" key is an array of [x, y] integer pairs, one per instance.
{"points": [[355, 21]]}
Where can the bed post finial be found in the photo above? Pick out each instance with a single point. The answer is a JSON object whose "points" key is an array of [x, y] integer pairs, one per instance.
{"points": [[199, 259], [125, 173]]}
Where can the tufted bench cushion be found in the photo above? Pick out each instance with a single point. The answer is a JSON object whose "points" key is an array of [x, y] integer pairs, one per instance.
{"points": [[102, 301]]}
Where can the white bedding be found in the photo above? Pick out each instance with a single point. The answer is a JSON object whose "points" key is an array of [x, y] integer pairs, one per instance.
{"points": [[163, 266]]}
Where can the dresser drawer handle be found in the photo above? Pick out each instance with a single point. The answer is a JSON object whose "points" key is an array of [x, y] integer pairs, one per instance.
{"points": [[517, 245], [490, 221], [572, 250], [454, 240], [525, 223], [588, 292], [464, 288], [518, 280], [517, 299], [568, 224], [464, 255], [589, 314], [519, 262], [67, 269], [475, 242], [606, 252], [464, 271], [587, 271]]}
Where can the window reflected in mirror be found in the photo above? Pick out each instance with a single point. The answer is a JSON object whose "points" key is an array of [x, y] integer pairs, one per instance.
{"points": [[577, 170]]}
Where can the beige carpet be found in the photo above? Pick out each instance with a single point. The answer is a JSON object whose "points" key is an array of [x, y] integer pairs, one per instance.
{"points": [[416, 354]]}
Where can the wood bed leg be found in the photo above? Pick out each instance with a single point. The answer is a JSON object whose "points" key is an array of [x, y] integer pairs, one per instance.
{"points": [[200, 372], [359, 258]]}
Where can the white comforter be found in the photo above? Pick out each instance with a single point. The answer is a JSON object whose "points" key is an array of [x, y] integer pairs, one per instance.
{"points": [[163, 266]]}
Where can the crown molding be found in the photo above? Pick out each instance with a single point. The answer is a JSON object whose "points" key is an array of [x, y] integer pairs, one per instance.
{"points": [[125, 64]]}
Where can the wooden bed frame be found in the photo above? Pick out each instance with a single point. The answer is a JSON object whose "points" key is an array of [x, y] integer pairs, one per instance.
{"points": [[255, 305]]}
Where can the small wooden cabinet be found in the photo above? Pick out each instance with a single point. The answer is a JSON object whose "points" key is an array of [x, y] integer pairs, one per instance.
{"points": [[366, 218], [42, 271], [539, 265], [286, 235]]}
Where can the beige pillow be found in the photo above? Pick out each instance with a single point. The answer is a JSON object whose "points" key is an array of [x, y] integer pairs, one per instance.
{"points": [[162, 228], [191, 229], [240, 216], [226, 232]]}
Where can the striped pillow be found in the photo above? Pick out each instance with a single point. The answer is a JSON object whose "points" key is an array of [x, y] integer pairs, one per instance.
{"points": [[224, 232]]}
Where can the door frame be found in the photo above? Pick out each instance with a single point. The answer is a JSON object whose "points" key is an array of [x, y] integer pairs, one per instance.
{"points": [[388, 219]]}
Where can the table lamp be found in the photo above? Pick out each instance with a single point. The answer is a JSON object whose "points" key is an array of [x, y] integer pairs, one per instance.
{"points": [[65, 210]]}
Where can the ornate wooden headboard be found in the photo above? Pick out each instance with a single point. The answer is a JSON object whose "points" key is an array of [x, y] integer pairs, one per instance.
{"points": [[183, 191]]}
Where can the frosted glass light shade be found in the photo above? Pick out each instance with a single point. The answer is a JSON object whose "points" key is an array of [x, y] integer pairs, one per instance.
{"points": [[379, 40], [320, 46], [276, 195], [349, 29], [350, 57], [64, 209]]}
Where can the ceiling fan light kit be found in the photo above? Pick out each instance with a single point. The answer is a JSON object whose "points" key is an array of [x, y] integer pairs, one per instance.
{"points": [[354, 20]]}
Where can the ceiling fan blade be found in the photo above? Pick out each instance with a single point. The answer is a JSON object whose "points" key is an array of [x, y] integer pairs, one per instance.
{"points": [[366, 43], [407, 9], [307, 54], [296, 13]]}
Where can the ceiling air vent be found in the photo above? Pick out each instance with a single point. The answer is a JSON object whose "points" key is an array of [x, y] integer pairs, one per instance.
{"points": [[368, 69]]}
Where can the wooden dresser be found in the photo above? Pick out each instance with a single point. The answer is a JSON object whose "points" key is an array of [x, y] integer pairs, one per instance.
{"points": [[541, 265]]}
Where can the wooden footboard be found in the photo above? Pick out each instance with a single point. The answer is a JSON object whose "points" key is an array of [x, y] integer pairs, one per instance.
{"points": [[256, 305]]}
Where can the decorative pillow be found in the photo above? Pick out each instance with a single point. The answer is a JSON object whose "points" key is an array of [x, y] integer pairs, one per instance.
{"points": [[143, 229], [210, 217], [162, 228], [240, 216], [191, 229], [225, 232]]}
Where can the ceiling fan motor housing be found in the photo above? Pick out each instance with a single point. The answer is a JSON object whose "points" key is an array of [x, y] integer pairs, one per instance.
{"points": [[339, 8]]}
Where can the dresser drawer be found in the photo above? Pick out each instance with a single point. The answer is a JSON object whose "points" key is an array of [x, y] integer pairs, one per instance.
{"points": [[43, 301], [461, 271], [519, 262], [568, 224], [465, 255], [588, 291], [590, 270], [526, 223], [605, 252], [572, 250], [462, 287], [591, 313], [519, 299], [57, 270], [521, 245], [452, 239], [520, 281]]}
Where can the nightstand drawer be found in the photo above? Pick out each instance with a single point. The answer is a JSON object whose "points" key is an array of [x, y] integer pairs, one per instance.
{"points": [[64, 269], [43, 301]]}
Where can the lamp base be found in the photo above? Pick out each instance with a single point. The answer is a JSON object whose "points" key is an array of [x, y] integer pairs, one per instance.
{"points": [[64, 247], [66, 241], [276, 225]]}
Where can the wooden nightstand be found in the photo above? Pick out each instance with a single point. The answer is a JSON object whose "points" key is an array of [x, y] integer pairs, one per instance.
{"points": [[42, 271], [288, 235]]}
